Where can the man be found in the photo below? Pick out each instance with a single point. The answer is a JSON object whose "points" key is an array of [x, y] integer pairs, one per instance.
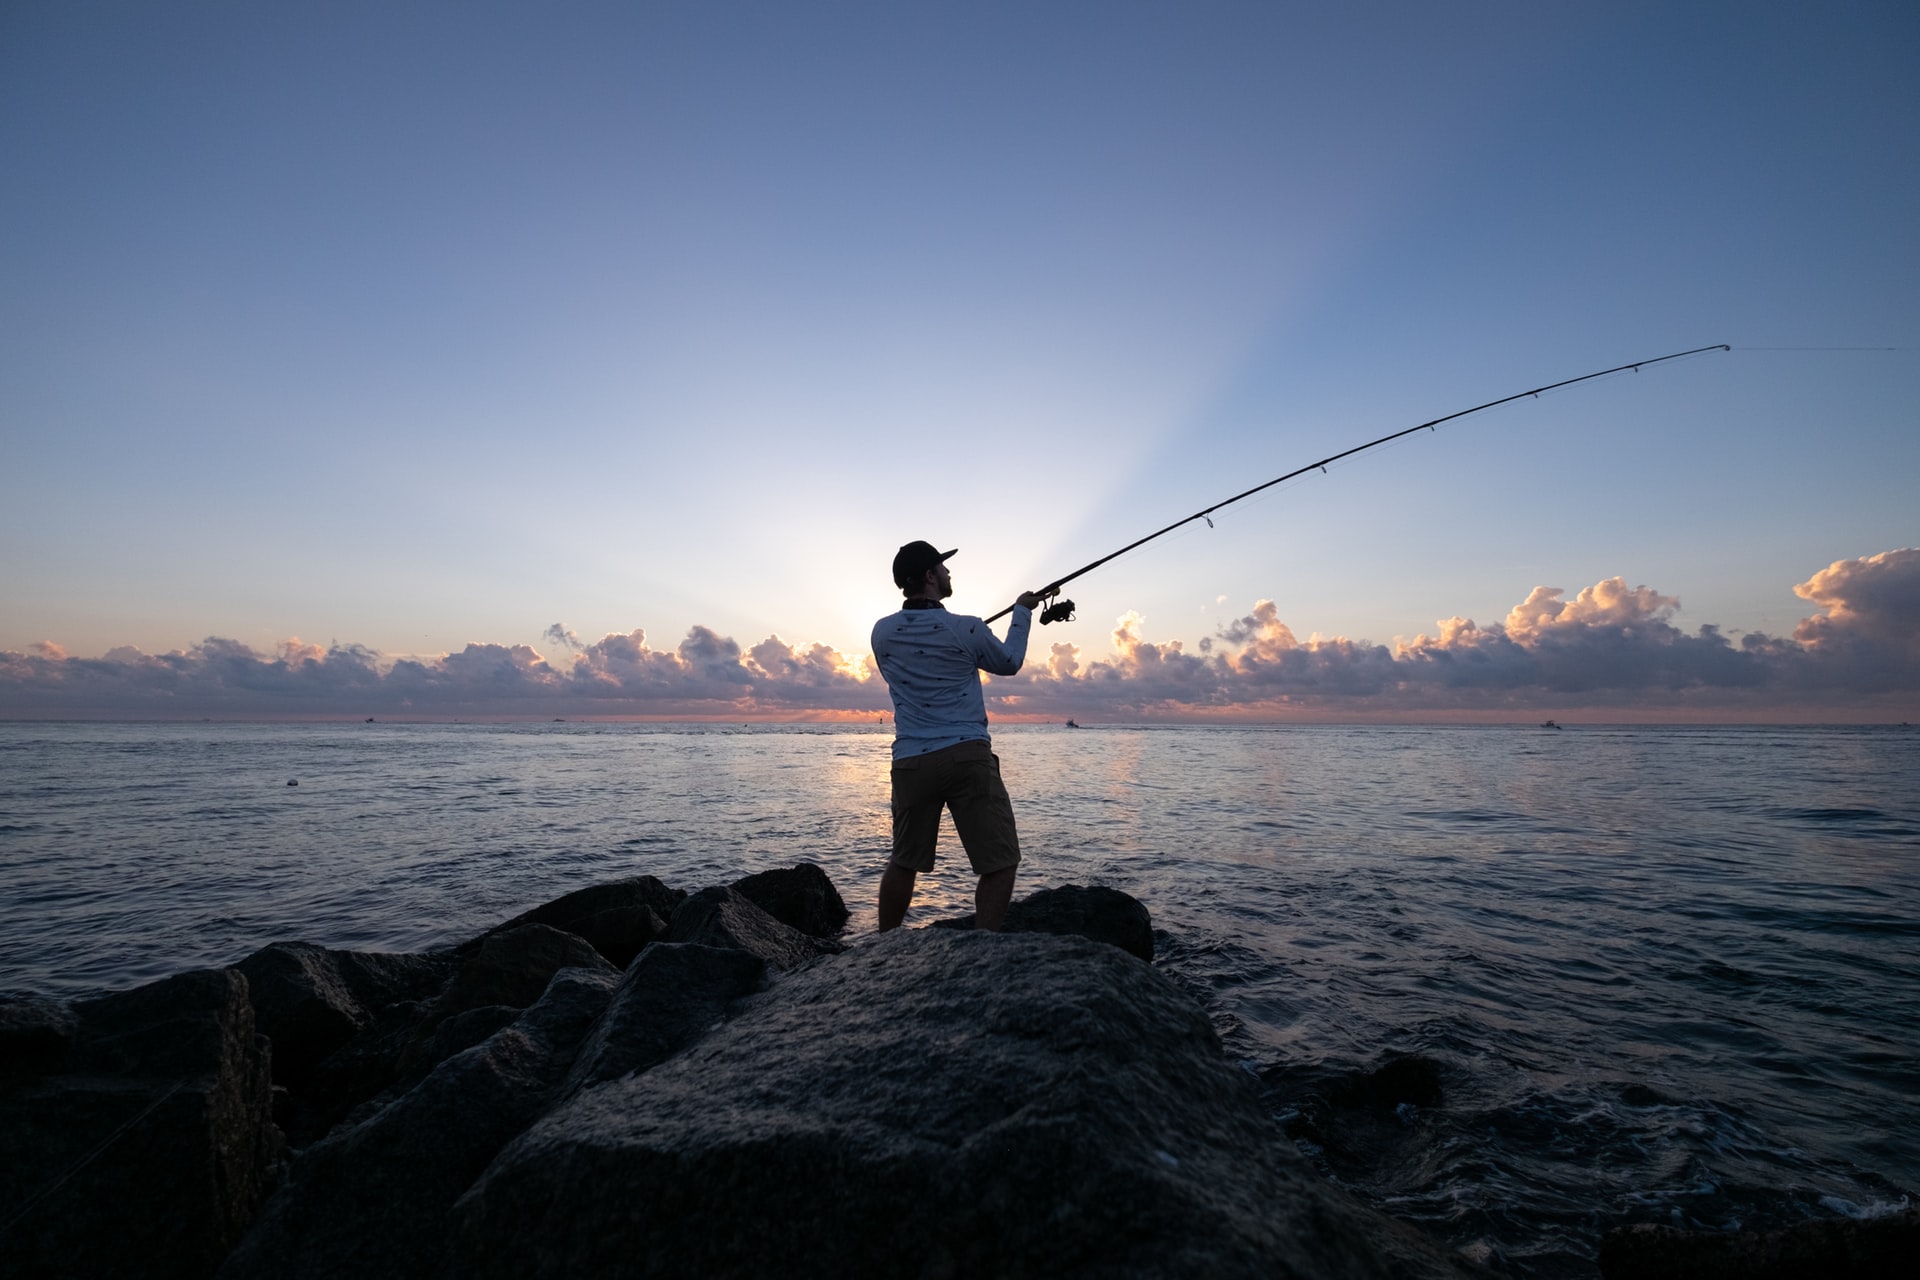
{"points": [[942, 756]]}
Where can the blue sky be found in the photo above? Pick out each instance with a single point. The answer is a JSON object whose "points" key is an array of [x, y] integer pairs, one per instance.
{"points": [[414, 326]]}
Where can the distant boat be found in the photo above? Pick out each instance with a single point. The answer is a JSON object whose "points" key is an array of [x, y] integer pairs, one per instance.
{"points": [[1072, 725], [1548, 724]]}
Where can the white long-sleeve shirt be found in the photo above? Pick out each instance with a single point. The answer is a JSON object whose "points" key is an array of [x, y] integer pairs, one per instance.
{"points": [[932, 660]]}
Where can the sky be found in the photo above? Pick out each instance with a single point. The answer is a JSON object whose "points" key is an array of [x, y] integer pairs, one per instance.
{"points": [[593, 359]]}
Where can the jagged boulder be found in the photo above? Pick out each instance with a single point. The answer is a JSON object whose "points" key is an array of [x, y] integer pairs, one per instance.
{"points": [[1834, 1249], [937, 1103], [362, 1068], [35, 1035], [1091, 911], [672, 995], [723, 917], [301, 1004], [310, 1000], [371, 1200], [462, 1031], [800, 897], [149, 1151], [502, 973], [513, 967], [618, 918]]}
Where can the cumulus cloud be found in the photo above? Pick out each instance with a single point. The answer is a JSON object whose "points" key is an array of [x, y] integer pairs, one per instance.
{"points": [[1612, 648], [706, 675], [1870, 617]]}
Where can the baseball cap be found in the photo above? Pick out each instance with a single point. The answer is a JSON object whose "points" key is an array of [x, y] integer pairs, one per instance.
{"points": [[911, 562]]}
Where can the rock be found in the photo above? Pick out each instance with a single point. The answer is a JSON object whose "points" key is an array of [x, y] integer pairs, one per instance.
{"points": [[323, 1009], [513, 967], [1095, 911], [35, 1035], [381, 978], [461, 1031], [501, 974], [672, 995], [302, 1004], [800, 897], [149, 1152], [621, 933], [1833, 1249], [371, 1200], [360, 1069], [613, 917], [310, 1000], [726, 918], [939, 1103]]}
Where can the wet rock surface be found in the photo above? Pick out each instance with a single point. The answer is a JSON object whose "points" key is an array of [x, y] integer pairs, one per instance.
{"points": [[372, 1199], [309, 1001], [35, 1035], [744, 1095], [672, 995], [513, 967], [147, 1149], [799, 897], [1086, 911], [935, 1102], [617, 919], [724, 917]]}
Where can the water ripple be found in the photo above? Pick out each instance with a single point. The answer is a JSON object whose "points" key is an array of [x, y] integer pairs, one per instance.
{"points": [[1650, 974]]}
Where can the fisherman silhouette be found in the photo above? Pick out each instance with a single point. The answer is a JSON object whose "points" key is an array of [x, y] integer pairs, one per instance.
{"points": [[942, 754]]}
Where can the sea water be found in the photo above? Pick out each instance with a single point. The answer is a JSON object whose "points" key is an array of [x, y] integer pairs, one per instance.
{"points": [[1633, 974]]}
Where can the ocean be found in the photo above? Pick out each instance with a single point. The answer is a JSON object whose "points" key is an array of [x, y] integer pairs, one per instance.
{"points": [[1515, 985]]}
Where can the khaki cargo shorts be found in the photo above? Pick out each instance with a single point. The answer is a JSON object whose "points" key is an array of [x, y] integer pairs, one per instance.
{"points": [[964, 778]]}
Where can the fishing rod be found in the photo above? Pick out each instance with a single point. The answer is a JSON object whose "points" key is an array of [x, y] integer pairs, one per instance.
{"points": [[1062, 610]]}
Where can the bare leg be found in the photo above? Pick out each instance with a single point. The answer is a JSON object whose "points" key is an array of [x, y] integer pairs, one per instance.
{"points": [[990, 899], [896, 891]]}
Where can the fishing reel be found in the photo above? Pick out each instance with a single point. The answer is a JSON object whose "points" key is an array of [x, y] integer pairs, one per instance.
{"points": [[1059, 611]]}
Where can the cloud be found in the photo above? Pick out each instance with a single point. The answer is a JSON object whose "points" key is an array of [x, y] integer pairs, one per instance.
{"points": [[1870, 622], [1612, 649], [561, 637]]}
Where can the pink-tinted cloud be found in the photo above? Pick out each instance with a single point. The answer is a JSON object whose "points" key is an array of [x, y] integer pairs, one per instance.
{"points": [[1871, 620], [1612, 650]]}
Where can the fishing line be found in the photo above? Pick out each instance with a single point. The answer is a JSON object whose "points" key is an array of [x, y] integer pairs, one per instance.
{"points": [[1062, 610]]}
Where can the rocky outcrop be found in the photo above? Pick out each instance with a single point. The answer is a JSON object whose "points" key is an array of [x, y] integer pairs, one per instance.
{"points": [[938, 1103], [800, 897], [371, 1200], [671, 996], [309, 1001], [504, 971], [1835, 1249], [1096, 912], [513, 967], [35, 1035], [147, 1147], [617, 919], [748, 1097], [727, 918]]}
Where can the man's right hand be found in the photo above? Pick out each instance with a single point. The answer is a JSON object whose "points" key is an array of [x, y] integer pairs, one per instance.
{"points": [[1028, 600]]}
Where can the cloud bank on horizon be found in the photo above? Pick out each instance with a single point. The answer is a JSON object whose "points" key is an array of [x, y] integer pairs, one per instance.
{"points": [[1611, 650]]}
